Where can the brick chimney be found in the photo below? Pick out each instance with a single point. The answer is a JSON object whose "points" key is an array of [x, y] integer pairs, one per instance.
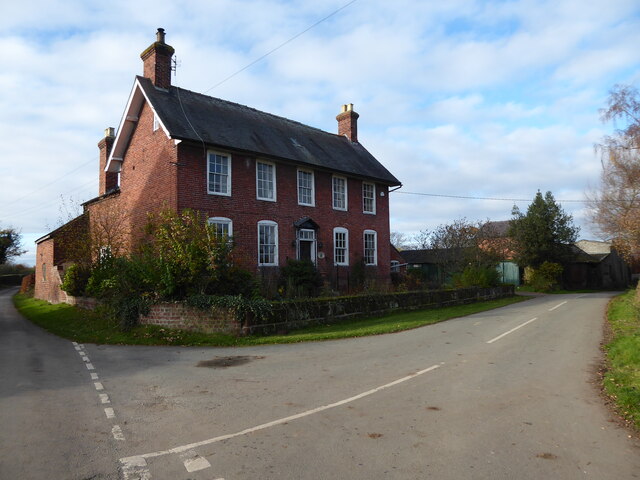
{"points": [[108, 180], [348, 123], [157, 61]]}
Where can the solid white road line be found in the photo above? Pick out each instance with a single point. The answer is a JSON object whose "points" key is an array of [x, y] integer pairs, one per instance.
{"points": [[116, 431], [557, 306], [109, 412], [194, 462], [191, 446], [512, 330]]}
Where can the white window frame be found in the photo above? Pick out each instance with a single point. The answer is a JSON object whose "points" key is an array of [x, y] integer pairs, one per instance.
{"points": [[337, 230], [395, 266], [222, 221], [258, 180], [313, 187], [372, 198], [375, 246], [209, 173], [333, 192], [268, 223]]}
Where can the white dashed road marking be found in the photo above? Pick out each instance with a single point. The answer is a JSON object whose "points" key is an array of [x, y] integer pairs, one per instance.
{"points": [[512, 330], [557, 306], [89, 366], [109, 412], [94, 376], [104, 398], [194, 462], [98, 386], [135, 468], [116, 431]]}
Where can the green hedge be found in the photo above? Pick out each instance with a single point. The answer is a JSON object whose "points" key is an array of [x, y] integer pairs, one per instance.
{"points": [[293, 314], [11, 279]]}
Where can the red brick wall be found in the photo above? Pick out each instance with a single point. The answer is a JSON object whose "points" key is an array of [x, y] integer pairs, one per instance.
{"points": [[176, 315], [147, 179], [245, 210], [47, 286]]}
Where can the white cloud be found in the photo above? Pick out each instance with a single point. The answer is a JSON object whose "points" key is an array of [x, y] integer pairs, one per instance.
{"points": [[468, 97]]}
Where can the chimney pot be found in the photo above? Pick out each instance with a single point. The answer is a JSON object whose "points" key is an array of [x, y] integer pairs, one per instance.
{"points": [[160, 35], [109, 132]]}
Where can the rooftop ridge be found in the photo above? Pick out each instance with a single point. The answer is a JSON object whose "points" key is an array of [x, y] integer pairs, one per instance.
{"points": [[246, 107]]}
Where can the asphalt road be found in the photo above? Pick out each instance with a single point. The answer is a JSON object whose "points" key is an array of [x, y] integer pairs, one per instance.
{"points": [[506, 394]]}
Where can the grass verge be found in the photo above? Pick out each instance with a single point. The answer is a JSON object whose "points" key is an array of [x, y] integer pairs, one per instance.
{"points": [[84, 326], [622, 378]]}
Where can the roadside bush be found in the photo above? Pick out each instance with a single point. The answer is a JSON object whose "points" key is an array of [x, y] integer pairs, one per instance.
{"points": [[183, 257], [477, 276], [190, 257], [125, 288], [546, 277], [75, 280], [415, 279], [300, 278]]}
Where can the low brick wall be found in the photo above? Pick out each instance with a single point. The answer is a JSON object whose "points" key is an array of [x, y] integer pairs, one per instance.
{"points": [[180, 316], [87, 303], [301, 313]]}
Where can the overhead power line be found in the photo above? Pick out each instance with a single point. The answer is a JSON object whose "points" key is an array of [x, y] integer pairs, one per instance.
{"points": [[281, 45], [465, 197], [48, 184]]}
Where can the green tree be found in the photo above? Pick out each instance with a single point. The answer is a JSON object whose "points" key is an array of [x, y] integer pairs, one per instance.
{"points": [[10, 245], [543, 234]]}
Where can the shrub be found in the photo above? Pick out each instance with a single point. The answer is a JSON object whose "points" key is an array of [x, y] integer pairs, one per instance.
{"points": [[546, 277], [75, 280], [300, 278], [125, 287], [477, 276]]}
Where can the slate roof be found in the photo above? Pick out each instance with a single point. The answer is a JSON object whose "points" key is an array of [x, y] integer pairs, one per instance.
{"points": [[225, 124], [423, 256]]}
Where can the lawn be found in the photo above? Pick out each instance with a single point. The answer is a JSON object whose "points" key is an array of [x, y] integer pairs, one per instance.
{"points": [[622, 379], [84, 326]]}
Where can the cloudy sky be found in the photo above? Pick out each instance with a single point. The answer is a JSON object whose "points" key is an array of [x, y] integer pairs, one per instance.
{"points": [[457, 98]]}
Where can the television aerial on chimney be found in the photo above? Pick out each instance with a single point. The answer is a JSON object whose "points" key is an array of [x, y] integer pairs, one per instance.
{"points": [[175, 63]]}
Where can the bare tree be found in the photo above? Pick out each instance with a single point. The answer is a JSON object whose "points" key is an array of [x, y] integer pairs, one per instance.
{"points": [[615, 203], [463, 243], [399, 240]]}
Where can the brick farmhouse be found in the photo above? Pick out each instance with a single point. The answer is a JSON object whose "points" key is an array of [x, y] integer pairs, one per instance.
{"points": [[282, 190]]}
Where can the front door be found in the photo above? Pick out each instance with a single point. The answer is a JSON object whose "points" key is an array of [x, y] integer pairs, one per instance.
{"points": [[307, 245]]}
